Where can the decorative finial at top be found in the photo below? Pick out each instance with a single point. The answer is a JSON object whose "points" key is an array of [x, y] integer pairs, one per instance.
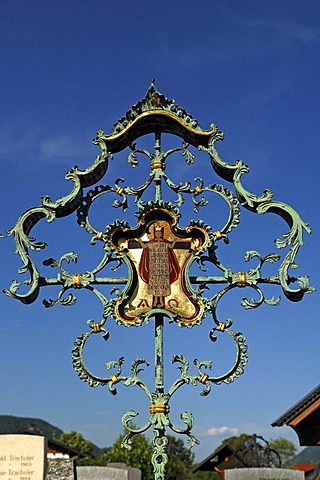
{"points": [[153, 113]]}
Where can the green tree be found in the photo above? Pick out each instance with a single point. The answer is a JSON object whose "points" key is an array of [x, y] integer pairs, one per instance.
{"points": [[180, 460], [286, 449], [76, 440], [202, 475], [103, 459], [138, 457], [235, 441]]}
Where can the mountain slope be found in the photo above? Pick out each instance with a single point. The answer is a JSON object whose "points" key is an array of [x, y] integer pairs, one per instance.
{"points": [[12, 424]]}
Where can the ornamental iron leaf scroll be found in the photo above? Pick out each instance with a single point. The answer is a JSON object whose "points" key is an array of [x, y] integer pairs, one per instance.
{"points": [[158, 254]]}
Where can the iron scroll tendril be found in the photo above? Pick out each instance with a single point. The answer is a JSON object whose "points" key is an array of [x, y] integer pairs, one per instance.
{"points": [[158, 254]]}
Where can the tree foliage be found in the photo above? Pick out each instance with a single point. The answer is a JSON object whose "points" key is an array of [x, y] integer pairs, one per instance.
{"points": [[286, 449], [76, 440], [203, 475], [103, 459], [235, 441], [138, 457], [180, 460]]}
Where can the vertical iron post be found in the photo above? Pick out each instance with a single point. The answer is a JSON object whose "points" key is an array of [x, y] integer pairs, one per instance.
{"points": [[159, 367]]}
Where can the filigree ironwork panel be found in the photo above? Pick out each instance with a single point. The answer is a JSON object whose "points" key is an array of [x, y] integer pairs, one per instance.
{"points": [[158, 254]]}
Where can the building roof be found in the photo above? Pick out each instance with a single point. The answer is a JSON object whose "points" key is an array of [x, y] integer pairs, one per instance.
{"points": [[299, 407], [253, 451], [304, 418], [307, 455], [308, 461], [220, 459], [53, 444]]}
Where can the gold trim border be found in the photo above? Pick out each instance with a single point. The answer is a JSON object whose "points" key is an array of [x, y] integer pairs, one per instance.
{"points": [[171, 116], [159, 408]]}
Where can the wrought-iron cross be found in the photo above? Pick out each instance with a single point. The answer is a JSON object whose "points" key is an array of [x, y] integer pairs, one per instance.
{"points": [[158, 254]]}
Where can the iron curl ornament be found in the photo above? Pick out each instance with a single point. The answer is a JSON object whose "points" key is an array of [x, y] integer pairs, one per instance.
{"points": [[158, 254]]}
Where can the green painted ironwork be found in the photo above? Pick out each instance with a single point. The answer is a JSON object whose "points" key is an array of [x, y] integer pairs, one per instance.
{"points": [[158, 115]]}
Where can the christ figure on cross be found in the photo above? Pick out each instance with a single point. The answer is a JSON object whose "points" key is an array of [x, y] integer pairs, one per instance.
{"points": [[159, 266]]}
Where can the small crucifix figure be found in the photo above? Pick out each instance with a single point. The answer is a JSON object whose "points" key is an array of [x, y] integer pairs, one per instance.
{"points": [[159, 254], [159, 266]]}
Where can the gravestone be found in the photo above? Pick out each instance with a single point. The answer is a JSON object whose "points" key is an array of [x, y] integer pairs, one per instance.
{"points": [[61, 469], [133, 473], [263, 474], [115, 471], [23, 457]]}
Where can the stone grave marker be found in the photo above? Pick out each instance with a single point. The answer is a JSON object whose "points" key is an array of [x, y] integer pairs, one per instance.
{"points": [[114, 471], [263, 474], [101, 473], [132, 473], [23, 457]]}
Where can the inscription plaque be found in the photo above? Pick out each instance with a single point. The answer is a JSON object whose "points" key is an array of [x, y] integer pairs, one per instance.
{"points": [[263, 474], [22, 457]]}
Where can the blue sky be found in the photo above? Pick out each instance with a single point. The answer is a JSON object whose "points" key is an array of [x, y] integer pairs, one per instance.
{"points": [[71, 68]]}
